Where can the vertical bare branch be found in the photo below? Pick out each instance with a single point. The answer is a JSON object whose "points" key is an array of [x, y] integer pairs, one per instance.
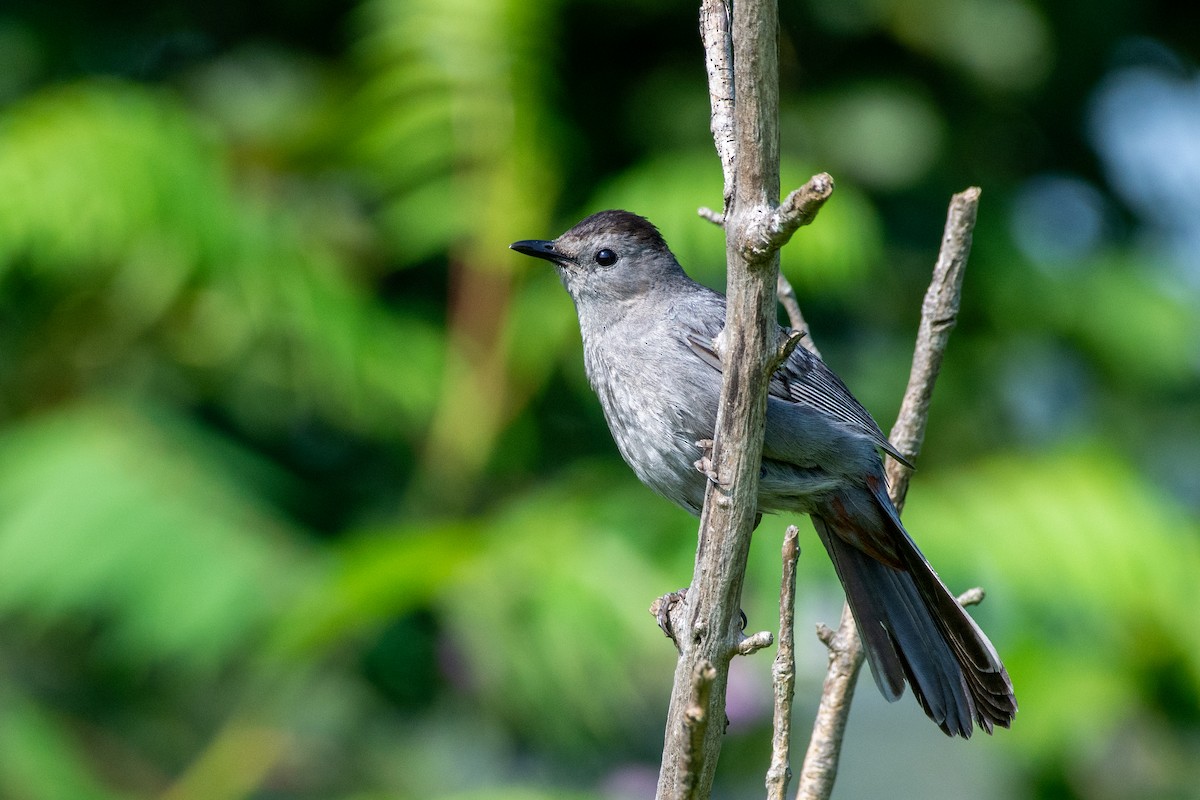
{"points": [[939, 312], [783, 672], [748, 142]]}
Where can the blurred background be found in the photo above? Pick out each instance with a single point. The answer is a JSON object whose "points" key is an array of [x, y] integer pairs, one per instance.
{"points": [[303, 493]]}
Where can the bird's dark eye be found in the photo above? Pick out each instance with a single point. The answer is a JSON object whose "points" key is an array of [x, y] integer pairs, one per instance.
{"points": [[606, 257]]}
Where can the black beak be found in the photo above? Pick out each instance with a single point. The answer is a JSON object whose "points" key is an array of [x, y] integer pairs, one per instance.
{"points": [[538, 249]]}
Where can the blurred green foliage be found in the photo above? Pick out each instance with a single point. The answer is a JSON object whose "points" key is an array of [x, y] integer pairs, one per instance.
{"points": [[303, 490]]}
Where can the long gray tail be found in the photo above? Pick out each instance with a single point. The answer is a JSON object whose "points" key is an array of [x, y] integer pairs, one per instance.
{"points": [[913, 629]]}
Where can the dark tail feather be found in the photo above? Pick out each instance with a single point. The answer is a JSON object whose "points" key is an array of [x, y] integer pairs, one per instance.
{"points": [[913, 629]]}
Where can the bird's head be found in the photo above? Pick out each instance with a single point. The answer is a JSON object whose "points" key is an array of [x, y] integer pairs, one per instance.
{"points": [[611, 255]]}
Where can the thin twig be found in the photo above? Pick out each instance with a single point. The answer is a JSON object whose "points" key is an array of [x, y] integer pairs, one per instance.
{"points": [[783, 672], [938, 314], [787, 344]]}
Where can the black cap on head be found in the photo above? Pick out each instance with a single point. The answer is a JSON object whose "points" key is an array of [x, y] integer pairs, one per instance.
{"points": [[620, 222]]}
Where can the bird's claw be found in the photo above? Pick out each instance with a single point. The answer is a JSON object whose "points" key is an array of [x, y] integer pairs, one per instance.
{"points": [[704, 464], [662, 609]]}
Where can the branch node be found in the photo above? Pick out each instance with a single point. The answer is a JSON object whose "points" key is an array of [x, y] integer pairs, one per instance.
{"points": [[825, 634], [718, 345], [704, 464], [772, 231]]}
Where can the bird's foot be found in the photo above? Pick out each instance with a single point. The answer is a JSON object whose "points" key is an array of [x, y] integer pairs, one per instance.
{"points": [[704, 464], [666, 610]]}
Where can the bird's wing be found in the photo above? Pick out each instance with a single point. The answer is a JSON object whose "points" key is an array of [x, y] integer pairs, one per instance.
{"points": [[804, 379]]}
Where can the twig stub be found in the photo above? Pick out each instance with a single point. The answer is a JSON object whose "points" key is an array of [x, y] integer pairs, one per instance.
{"points": [[753, 643]]}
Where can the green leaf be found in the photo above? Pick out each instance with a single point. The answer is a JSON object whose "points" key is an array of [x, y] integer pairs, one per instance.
{"points": [[39, 759], [132, 521], [377, 577]]}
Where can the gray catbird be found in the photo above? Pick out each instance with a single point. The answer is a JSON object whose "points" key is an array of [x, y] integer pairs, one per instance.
{"points": [[648, 333]]}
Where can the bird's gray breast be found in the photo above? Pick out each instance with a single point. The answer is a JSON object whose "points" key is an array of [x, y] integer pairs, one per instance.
{"points": [[658, 403]]}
